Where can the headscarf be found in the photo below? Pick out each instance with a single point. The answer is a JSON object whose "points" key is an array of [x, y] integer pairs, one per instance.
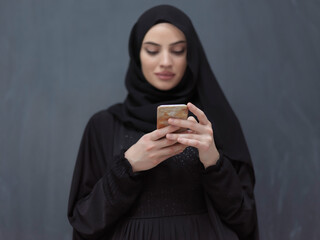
{"points": [[198, 86]]}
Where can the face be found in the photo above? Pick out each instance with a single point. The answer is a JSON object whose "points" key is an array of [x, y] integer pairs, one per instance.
{"points": [[163, 56]]}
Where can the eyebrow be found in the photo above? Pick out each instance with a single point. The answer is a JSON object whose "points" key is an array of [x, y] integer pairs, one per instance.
{"points": [[171, 44]]}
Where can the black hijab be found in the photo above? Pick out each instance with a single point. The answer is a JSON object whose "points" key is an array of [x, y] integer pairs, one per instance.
{"points": [[198, 86]]}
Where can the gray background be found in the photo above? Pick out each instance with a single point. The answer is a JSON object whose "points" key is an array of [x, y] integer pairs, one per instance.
{"points": [[63, 60]]}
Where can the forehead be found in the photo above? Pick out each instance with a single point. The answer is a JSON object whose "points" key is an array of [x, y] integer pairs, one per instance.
{"points": [[164, 32]]}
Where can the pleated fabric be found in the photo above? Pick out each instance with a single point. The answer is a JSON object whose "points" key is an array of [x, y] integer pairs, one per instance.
{"points": [[187, 227]]}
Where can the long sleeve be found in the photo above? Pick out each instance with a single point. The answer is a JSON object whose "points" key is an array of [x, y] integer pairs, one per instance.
{"points": [[230, 190], [103, 186]]}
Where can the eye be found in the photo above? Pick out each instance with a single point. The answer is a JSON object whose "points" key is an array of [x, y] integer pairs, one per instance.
{"points": [[178, 52], [151, 52]]}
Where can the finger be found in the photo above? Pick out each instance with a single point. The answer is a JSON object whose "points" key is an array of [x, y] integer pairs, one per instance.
{"points": [[195, 126], [171, 151], [164, 142], [185, 131], [175, 137], [193, 143], [199, 113], [160, 133], [191, 118]]}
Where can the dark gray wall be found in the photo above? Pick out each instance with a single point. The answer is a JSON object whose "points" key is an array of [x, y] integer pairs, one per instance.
{"points": [[63, 60]]}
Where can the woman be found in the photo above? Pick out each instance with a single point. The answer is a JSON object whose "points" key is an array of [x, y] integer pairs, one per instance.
{"points": [[132, 181]]}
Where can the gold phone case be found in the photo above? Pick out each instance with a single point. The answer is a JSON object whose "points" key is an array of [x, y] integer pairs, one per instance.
{"points": [[164, 112]]}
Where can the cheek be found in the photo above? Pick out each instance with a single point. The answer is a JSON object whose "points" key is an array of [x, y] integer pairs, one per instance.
{"points": [[182, 64], [147, 63], [147, 66]]}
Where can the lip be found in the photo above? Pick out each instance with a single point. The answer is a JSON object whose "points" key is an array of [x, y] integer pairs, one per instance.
{"points": [[165, 75]]}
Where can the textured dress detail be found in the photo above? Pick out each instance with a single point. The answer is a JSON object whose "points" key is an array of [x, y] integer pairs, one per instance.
{"points": [[171, 204]]}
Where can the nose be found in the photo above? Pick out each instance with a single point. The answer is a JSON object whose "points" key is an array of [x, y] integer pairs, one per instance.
{"points": [[166, 60]]}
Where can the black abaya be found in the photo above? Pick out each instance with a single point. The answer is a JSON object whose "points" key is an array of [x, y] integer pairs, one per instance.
{"points": [[109, 201]]}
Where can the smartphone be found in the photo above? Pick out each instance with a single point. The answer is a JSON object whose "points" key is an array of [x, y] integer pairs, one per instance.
{"points": [[164, 112]]}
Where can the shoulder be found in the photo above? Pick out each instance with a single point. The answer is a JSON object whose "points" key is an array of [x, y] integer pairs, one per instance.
{"points": [[101, 117], [102, 121]]}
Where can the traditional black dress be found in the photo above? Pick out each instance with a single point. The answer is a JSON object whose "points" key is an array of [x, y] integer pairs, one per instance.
{"points": [[178, 199]]}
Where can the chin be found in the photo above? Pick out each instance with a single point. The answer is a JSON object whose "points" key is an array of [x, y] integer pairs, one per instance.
{"points": [[165, 87]]}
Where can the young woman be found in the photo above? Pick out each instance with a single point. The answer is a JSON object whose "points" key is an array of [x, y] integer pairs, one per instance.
{"points": [[132, 181]]}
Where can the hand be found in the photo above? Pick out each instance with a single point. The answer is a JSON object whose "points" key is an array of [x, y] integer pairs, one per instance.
{"points": [[152, 149], [199, 135]]}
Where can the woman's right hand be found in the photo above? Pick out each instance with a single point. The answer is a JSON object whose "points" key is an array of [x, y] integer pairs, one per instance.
{"points": [[152, 149]]}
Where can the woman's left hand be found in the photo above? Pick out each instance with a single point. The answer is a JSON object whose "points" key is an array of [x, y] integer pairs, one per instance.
{"points": [[199, 135]]}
